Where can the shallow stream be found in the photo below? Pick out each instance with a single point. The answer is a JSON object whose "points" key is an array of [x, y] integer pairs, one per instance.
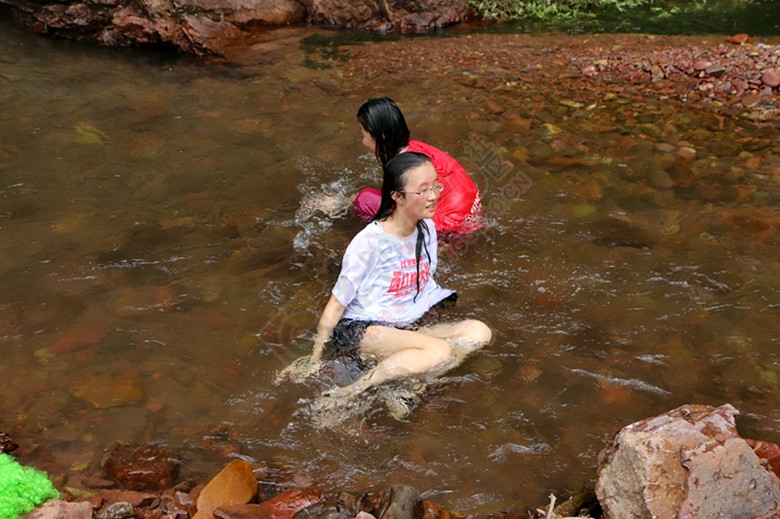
{"points": [[169, 232]]}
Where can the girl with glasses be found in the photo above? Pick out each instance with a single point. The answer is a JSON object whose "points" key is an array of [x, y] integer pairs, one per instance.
{"points": [[386, 286]]}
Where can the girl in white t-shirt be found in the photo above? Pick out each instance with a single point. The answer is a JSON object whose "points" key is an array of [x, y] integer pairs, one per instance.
{"points": [[386, 284]]}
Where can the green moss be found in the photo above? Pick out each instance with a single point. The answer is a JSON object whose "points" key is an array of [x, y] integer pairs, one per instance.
{"points": [[22, 488]]}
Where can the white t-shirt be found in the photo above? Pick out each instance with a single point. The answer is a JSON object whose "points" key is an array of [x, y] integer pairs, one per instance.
{"points": [[378, 279]]}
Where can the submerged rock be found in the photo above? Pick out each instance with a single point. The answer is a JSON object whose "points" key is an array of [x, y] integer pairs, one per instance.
{"points": [[143, 467]]}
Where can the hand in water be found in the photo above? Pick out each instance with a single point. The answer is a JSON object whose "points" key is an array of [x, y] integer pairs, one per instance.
{"points": [[299, 370]]}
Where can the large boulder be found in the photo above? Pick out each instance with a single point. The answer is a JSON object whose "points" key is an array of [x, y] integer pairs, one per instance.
{"points": [[208, 27], [687, 463]]}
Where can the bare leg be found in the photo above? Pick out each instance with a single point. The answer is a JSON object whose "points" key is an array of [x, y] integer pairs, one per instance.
{"points": [[404, 353], [401, 353]]}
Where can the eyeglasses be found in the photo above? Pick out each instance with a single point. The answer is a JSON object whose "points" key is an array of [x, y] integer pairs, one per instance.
{"points": [[437, 189]]}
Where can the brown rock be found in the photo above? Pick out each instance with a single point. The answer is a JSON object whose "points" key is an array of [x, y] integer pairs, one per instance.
{"points": [[493, 107], [7, 444], [143, 467], [701, 65], [517, 124], [751, 100], [739, 39], [106, 391], [771, 78], [234, 485]]}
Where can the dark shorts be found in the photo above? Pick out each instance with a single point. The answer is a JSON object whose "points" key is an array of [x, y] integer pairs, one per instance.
{"points": [[348, 333]]}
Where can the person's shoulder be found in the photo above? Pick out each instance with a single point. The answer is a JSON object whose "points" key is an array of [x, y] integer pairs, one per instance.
{"points": [[369, 234], [423, 147]]}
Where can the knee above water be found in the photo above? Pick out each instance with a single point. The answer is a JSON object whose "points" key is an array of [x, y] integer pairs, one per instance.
{"points": [[479, 331], [443, 349]]}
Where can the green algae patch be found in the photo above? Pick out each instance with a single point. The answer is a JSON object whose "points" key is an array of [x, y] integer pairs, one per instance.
{"points": [[22, 488]]}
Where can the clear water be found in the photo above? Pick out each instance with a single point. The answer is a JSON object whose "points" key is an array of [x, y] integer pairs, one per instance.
{"points": [[164, 248]]}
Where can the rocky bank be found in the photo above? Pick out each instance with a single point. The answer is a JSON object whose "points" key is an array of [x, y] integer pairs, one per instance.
{"points": [[687, 463]]}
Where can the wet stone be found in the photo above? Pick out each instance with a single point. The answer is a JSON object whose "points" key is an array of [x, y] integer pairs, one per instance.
{"points": [[143, 467], [116, 511], [7, 444], [234, 485], [400, 502], [284, 506]]}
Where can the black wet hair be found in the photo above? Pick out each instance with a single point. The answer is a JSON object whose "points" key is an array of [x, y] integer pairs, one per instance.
{"points": [[394, 176], [382, 118]]}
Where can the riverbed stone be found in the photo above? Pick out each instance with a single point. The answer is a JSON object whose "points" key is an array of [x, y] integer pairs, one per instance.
{"points": [[400, 502], [57, 509], [771, 78], [143, 467], [7, 444], [686, 463], [106, 391], [234, 485], [286, 504]]}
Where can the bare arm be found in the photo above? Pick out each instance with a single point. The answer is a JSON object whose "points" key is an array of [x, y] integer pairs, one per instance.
{"points": [[306, 366], [330, 317]]}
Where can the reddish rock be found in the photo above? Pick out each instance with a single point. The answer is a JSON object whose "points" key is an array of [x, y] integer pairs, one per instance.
{"points": [[768, 453], [434, 511], [287, 503], [143, 467], [75, 339], [7, 444], [493, 107], [234, 485], [56, 509], [739, 39], [771, 78], [702, 65], [243, 512]]}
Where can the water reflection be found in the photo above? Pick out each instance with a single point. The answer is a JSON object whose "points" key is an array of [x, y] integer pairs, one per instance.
{"points": [[164, 248]]}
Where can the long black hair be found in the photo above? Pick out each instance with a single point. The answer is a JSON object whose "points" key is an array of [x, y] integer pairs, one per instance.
{"points": [[382, 118], [394, 176]]}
